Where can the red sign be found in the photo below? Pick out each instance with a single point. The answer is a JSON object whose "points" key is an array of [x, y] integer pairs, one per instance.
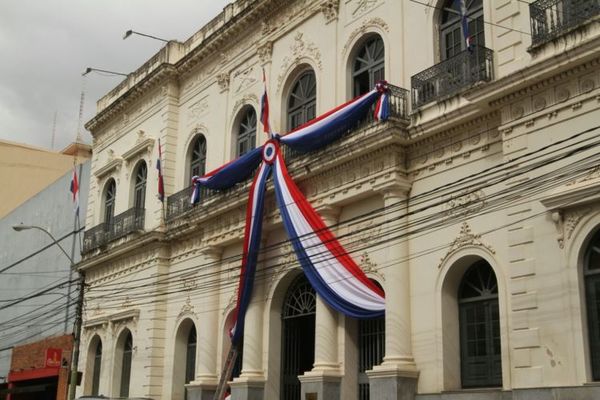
{"points": [[53, 358]]}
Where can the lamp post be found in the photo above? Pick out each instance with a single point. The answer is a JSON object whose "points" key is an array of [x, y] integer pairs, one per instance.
{"points": [[132, 32], [90, 69], [77, 324]]}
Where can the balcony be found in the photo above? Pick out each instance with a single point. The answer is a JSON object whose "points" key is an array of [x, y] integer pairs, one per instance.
{"points": [[553, 18], [127, 222], [179, 202], [452, 76]]}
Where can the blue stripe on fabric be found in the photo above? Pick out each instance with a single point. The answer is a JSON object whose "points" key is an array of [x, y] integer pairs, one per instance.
{"points": [[332, 130], [236, 171], [252, 256]]}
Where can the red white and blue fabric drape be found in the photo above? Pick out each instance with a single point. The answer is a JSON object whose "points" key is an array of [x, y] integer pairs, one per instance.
{"points": [[328, 267]]}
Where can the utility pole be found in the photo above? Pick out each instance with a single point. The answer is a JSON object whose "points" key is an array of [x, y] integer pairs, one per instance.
{"points": [[76, 338]]}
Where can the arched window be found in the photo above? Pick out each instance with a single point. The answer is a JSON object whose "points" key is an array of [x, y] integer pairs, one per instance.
{"points": [[109, 202], [452, 39], [246, 137], [190, 356], [198, 157], [96, 368], [302, 102], [371, 350], [369, 65], [139, 190], [591, 273], [126, 366], [298, 339], [479, 321]]}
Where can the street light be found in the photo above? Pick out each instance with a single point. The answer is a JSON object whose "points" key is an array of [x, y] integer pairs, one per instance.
{"points": [[77, 324], [89, 69], [132, 32]]}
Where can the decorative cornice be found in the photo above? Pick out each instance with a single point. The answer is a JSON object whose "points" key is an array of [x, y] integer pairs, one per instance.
{"points": [[576, 193], [113, 165], [142, 146]]}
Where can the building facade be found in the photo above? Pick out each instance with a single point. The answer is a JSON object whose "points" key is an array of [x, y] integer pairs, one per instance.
{"points": [[475, 206]]}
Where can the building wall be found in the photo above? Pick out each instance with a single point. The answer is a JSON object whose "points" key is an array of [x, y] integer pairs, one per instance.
{"points": [[400, 195], [30, 263]]}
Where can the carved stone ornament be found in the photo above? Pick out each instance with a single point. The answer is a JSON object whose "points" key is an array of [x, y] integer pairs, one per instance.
{"points": [[465, 238], [187, 308], [246, 99], [299, 49], [566, 222], [223, 81], [369, 266], [265, 51], [363, 28], [363, 6], [465, 203], [244, 79], [330, 9]]}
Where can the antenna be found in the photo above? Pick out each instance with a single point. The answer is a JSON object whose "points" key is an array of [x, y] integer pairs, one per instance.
{"points": [[81, 101], [53, 132]]}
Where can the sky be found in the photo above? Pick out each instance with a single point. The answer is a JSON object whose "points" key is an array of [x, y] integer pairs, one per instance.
{"points": [[46, 45]]}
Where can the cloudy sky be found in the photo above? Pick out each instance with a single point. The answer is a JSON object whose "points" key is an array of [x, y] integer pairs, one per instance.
{"points": [[45, 45]]}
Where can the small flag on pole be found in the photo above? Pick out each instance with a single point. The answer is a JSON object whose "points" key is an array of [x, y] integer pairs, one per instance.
{"points": [[75, 190], [161, 184], [465, 25], [264, 108]]}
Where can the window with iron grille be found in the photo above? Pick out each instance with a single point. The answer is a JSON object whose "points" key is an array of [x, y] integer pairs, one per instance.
{"points": [[369, 65], [139, 190], [371, 350], [452, 39], [246, 139], [591, 273], [109, 202], [298, 339], [96, 368], [126, 366], [302, 102], [198, 157], [479, 321]]}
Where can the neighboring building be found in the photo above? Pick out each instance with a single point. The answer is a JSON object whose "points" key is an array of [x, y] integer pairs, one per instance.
{"points": [[26, 170], [475, 207], [30, 263], [39, 371]]}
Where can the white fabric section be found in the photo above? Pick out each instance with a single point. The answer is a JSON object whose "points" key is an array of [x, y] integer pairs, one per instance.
{"points": [[341, 281], [255, 195], [309, 129]]}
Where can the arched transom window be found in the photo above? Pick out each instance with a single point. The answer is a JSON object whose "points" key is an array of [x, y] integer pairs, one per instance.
{"points": [[369, 65], [479, 319], [591, 273], [302, 102], [452, 39], [246, 137]]}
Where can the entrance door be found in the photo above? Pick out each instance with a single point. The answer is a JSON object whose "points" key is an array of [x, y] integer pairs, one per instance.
{"points": [[298, 339]]}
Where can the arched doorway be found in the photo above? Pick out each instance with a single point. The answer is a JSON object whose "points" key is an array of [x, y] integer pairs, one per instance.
{"points": [[298, 336]]}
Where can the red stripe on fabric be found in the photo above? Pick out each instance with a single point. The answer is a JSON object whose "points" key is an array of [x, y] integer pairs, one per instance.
{"points": [[327, 114], [328, 239]]}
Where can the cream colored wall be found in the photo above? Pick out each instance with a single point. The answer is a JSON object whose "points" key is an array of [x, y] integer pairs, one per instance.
{"points": [[539, 282]]}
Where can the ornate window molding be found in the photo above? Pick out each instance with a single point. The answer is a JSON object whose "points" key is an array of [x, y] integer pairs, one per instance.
{"points": [[142, 146]]}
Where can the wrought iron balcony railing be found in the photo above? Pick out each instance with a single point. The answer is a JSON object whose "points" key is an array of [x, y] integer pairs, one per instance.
{"points": [[179, 202], [94, 237], [127, 222], [452, 75], [553, 18]]}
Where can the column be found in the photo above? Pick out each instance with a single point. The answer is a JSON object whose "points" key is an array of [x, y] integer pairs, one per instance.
{"points": [[203, 387], [250, 385], [397, 376], [325, 378]]}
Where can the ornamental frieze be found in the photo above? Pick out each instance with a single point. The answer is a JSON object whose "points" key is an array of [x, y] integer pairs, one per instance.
{"points": [[300, 48]]}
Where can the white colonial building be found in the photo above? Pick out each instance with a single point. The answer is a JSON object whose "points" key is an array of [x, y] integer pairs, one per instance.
{"points": [[476, 206]]}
